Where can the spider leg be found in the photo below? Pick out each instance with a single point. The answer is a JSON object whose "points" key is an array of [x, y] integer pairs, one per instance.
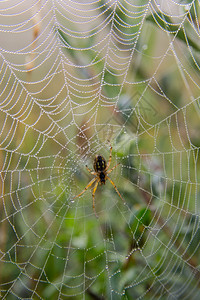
{"points": [[93, 194], [89, 170], [116, 189], [110, 157], [113, 168], [85, 189]]}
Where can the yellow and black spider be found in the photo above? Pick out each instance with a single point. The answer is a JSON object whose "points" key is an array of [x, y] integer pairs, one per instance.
{"points": [[101, 175]]}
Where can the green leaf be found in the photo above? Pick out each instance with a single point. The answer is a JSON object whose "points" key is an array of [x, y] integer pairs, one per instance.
{"points": [[165, 23]]}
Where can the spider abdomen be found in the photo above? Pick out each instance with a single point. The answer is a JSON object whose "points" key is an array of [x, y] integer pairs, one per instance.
{"points": [[99, 164]]}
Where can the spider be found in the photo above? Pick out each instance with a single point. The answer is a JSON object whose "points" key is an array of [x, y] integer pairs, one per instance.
{"points": [[101, 175]]}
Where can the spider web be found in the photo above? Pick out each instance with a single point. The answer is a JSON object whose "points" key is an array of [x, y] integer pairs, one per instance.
{"points": [[75, 77]]}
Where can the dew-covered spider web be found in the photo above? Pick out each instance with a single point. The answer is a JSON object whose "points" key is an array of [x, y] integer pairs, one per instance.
{"points": [[77, 77]]}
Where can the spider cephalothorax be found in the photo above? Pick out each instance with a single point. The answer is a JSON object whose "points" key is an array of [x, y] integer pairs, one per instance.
{"points": [[101, 175]]}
